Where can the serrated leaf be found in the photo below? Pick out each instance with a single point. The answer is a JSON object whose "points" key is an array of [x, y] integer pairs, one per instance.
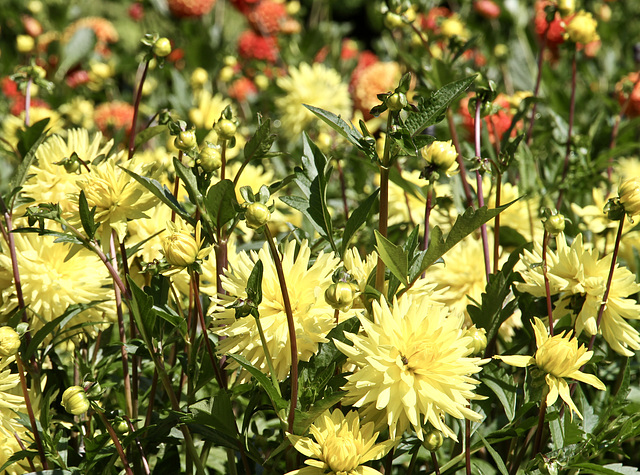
{"points": [[393, 256], [221, 203], [265, 382], [147, 134], [357, 219], [261, 142], [338, 124], [502, 385], [189, 181], [87, 216], [162, 193], [172, 319], [431, 110], [79, 47]]}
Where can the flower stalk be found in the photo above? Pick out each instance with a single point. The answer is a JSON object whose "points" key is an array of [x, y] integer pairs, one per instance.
{"points": [[383, 215], [136, 107], [478, 151]]}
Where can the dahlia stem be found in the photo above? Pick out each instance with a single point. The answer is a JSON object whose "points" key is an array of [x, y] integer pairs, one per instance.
{"points": [[122, 334], [540, 429], [223, 154], [496, 225], [384, 201], [27, 103], [536, 89], [572, 107], [23, 447], [343, 190], [176, 189], [132, 334], [8, 236], [547, 289], [427, 214], [463, 171], [603, 305], [116, 442], [32, 418], [483, 228], [467, 445], [145, 462], [292, 329], [434, 461], [136, 107]]}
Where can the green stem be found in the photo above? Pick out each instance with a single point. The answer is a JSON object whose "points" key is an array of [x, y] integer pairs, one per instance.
{"points": [[483, 228], [116, 442], [496, 225], [545, 245], [290, 323], [384, 201], [540, 429], [136, 107], [267, 355]]}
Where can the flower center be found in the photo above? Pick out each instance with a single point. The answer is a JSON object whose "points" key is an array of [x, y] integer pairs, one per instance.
{"points": [[341, 453]]}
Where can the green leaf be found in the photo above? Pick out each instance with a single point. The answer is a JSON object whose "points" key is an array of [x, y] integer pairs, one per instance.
{"points": [[221, 203], [142, 310], [334, 121], [305, 418], [502, 385], [147, 134], [277, 400], [27, 146], [162, 193], [189, 181], [87, 216], [254, 283], [393, 256], [261, 142], [465, 224], [431, 110], [80, 46], [172, 319], [496, 457], [611, 469], [357, 219]]}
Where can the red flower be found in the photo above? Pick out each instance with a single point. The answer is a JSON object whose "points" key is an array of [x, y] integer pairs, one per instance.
{"points": [[190, 8], [254, 46], [487, 8], [630, 82], [112, 116], [242, 88], [497, 124], [267, 17]]}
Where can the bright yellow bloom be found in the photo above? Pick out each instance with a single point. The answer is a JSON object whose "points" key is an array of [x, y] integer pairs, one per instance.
{"points": [[559, 357], [441, 156], [630, 196], [315, 85], [341, 446], [413, 367], [578, 275], [9, 341], [453, 27], [313, 316], [10, 404], [582, 28], [11, 123]]}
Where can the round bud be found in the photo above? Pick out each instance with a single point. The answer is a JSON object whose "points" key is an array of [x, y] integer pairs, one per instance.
{"points": [[440, 155], [71, 165], [75, 400], [25, 43], [479, 336], [566, 7], [225, 129], [257, 215], [180, 248], [40, 71], [185, 140], [393, 20], [433, 440], [199, 77], [226, 74], [629, 193], [554, 224], [162, 47], [120, 426], [340, 295], [397, 101], [9, 341], [210, 158]]}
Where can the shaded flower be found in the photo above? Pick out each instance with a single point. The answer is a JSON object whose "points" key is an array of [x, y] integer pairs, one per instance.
{"points": [[313, 317], [413, 367], [342, 445], [559, 357]]}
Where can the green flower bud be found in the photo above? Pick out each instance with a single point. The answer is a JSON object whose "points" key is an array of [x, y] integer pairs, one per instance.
{"points": [[629, 193], [186, 140], [9, 341], [440, 155], [340, 295], [554, 224], [397, 101], [75, 400], [199, 77], [225, 129], [162, 47], [210, 158], [257, 215], [180, 248], [479, 336], [71, 165], [120, 426], [433, 440]]}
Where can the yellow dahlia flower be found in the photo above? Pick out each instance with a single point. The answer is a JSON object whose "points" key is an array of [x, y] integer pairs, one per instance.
{"points": [[51, 183], [11, 123], [594, 219], [315, 85], [208, 109], [341, 446], [582, 28], [116, 195], [313, 317], [180, 247], [576, 273], [51, 282], [521, 216], [10, 405], [559, 357], [413, 367]]}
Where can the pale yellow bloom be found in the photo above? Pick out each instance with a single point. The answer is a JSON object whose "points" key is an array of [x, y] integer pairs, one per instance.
{"points": [[413, 367], [559, 357], [342, 445], [11, 123], [180, 247]]}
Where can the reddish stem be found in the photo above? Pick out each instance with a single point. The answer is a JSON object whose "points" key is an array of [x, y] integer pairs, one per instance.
{"points": [[136, 107]]}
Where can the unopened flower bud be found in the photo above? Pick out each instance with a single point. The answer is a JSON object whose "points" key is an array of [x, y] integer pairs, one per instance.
{"points": [[257, 215], [393, 20], [120, 426], [582, 28], [397, 101], [180, 247], [210, 158], [340, 295], [162, 47], [433, 440], [566, 7], [226, 74], [225, 129], [452, 27], [199, 78], [185, 140], [9, 341], [25, 43], [629, 193], [479, 336], [71, 165], [75, 400], [554, 224], [440, 154]]}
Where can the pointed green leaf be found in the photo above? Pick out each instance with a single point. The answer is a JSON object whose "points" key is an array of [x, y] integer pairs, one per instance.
{"points": [[254, 283], [258, 145], [147, 134], [78, 47], [263, 379], [358, 218], [502, 385], [221, 203], [393, 256], [27, 146], [141, 306], [494, 455], [87, 216], [189, 181], [338, 124]]}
